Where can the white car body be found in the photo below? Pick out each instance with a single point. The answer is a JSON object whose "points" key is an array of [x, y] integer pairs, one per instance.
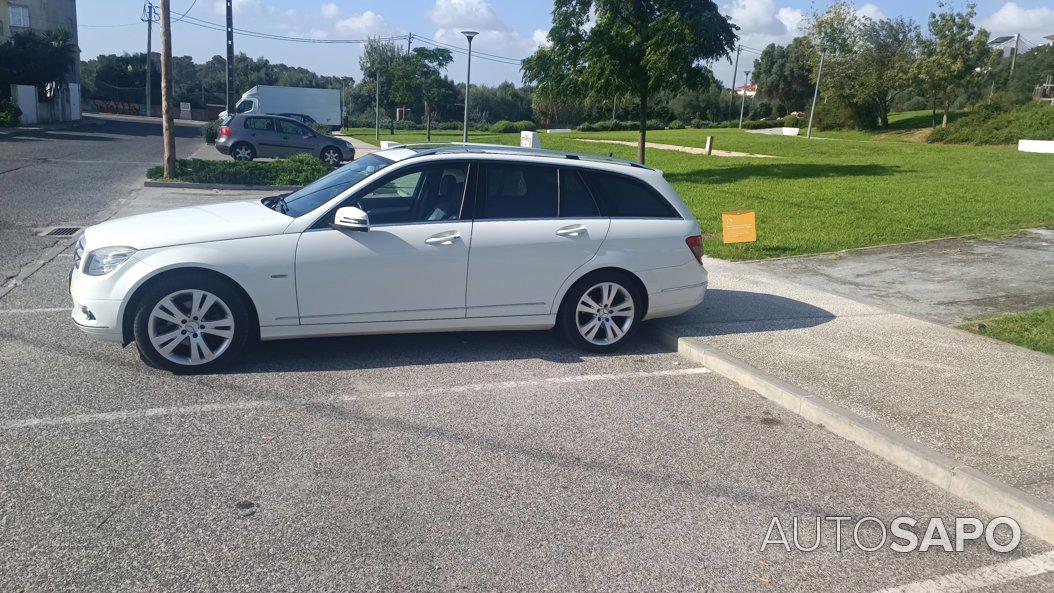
{"points": [[304, 281]]}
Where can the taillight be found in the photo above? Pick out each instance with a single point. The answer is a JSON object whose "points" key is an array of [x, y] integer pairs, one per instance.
{"points": [[695, 243], [224, 132]]}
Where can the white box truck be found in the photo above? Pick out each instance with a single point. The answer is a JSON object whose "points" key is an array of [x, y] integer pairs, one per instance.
{"points": [[321, 105]]}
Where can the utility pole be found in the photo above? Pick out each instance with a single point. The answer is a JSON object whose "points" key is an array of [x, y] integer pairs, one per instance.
{"points": [[377, 102], [230, 57], [614, 101], [167, 126], [743, 103], [149, 10], [735, 71], [815, 93], [409, 40], [1013, 58]]}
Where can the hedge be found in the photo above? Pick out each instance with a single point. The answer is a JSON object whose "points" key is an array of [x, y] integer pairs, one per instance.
{"points": [[9, 114], [998, 124], [300, 169]]}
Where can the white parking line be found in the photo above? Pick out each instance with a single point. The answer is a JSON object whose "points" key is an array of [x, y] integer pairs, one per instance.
{"points": [[269, 404], [27, 311], [987, 576]]}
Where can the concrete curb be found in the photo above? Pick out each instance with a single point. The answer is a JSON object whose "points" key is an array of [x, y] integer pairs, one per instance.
{"points": [[1035, 515], [219, 186]]}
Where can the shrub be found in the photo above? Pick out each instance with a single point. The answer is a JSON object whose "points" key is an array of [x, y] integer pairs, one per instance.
{"points": [[209, 130], [586, 127], [997, 124], [9, 114], [675, 125], [297, 170], [503, 127], [699, 123], [834, 117], [656, 124], [526, 126]]}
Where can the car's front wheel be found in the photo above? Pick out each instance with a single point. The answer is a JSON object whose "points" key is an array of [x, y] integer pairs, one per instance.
{"points": [[191, 325], [601, 311], [331, 156]]}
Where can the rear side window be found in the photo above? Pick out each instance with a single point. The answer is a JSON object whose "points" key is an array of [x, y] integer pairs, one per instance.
{"points": [[575, 199], [259, 123], [518, 191], [623, 197]]}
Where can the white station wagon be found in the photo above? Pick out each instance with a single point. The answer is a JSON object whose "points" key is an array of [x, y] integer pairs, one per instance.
{"points": [[417, 238]]}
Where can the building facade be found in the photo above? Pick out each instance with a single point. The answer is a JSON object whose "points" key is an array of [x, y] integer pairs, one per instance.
{"points": [[41, 15]]}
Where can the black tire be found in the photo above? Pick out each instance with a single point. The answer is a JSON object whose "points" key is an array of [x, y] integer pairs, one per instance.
{"points": [[331, 155], [235, 150], [569, 318], [229, 299]]}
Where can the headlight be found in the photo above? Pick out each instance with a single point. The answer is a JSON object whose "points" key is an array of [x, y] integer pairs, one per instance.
{"points": [[105, 260]]}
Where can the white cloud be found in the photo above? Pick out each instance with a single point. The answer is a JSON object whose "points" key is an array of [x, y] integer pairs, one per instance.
{"points": [[791, 18], [366, 24], [239, 6], [330, 10], [1031, 23], [870, 11], [540, 37], [465, 14]]}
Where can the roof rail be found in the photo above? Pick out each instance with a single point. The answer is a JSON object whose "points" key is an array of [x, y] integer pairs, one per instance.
{"points": [[426, 148]]}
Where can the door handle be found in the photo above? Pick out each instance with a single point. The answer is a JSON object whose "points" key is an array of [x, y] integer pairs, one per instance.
{"points": [[448, 238], [571, 231]]}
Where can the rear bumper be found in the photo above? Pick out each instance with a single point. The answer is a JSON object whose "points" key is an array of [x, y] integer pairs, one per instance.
{"points": [[673, 291], [223, 148]]}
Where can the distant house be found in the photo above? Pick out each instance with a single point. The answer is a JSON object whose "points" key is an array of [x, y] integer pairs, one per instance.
{"points": [[748, 90], [1004, 43], [42, 16]]}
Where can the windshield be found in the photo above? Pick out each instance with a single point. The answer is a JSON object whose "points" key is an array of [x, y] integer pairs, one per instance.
{"points": [[326, 188]]}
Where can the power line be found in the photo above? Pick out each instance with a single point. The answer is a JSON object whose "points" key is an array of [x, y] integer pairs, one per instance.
{"points": [[185, 12], [108, 26], [481, 55]]}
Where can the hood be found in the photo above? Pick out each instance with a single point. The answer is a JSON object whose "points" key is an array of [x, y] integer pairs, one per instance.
{"points": [[211, 222]]}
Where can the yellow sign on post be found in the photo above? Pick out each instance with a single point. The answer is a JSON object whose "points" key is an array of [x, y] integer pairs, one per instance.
{"points": [[738, 226]]}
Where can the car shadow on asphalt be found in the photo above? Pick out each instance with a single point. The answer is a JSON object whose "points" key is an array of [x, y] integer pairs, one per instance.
{"points": [[723, 312], [382, 351], [737, 311]]}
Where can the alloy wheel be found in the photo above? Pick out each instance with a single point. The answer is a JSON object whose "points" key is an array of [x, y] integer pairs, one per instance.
{"points": [[331, 157], [191, 327], [604, 313], [242, 153]]}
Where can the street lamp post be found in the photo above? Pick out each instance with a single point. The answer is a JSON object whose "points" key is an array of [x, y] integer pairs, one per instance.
{"points": [[743, 103], [468, 77]]}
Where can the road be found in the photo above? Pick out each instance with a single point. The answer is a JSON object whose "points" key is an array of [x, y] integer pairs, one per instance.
{"points": [[467, 461], [68, 176]]}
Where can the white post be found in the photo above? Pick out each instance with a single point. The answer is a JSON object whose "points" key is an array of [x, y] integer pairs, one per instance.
{"points": [[815, 93]]}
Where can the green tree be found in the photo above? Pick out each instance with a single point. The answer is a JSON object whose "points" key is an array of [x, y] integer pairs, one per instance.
{"points": [[951, 56], [378, 62], [37, 59], [636, 47], [784, 75], [418, 77]]}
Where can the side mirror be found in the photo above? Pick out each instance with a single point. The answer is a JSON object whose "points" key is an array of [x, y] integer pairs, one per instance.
{"points": [[350, 218]]}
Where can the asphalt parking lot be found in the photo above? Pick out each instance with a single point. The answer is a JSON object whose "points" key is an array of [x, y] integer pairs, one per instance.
{"points": [[466, 461], [422, 462]]}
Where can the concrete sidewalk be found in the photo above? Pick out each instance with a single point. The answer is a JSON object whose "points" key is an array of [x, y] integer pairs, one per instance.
{"points": [[985, 404]]}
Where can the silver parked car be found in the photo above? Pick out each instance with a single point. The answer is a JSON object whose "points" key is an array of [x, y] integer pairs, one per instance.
{"points": [[245, 136]]}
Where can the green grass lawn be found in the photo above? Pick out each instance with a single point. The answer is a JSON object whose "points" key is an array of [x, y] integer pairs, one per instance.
{"points": [[824, 195], [1034, 329]]}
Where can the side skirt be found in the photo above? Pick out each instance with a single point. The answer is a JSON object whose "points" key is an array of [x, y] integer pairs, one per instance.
{"points": [[523, 322]]}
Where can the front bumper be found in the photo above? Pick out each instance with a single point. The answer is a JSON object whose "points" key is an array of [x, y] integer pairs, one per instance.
{"points": [[98, 301]]}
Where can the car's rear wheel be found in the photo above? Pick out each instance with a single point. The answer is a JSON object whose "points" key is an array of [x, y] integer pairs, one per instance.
{"points": [[601, 311], [243, 151], [331, 156], [189, 325]]}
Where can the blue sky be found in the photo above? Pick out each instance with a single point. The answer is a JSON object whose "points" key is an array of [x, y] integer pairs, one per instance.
{"points": [[512, 28]]}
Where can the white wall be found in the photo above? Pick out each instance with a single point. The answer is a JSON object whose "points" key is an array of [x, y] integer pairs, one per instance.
{"points": [[75, 101], [26, 97]]}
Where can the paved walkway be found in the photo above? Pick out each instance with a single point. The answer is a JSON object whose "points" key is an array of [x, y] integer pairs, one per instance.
{"points": [[947, 281], [678, 148], [982, 402]]}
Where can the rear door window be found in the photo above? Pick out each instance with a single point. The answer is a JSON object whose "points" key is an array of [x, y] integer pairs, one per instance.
{"points": [[259, 123], [623, 197], [288, 127], [512, 190], [575, 199]]}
